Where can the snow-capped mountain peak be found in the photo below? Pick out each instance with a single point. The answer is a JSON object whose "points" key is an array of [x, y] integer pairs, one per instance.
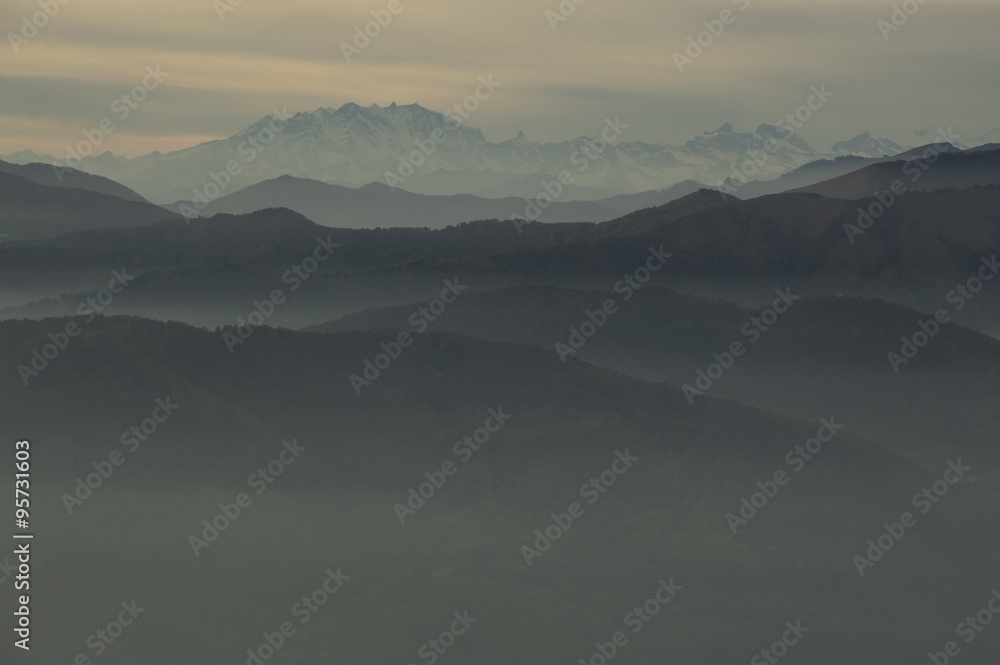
{"points": [[784, 134], [990, 137], [354, 145], [727, 128], [867, 145]]}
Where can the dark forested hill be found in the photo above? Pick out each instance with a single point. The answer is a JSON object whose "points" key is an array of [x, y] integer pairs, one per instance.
{"points": [[925, 172], [29, 211], [669, 477], [822, 353], [914, 254], [59, 176]]}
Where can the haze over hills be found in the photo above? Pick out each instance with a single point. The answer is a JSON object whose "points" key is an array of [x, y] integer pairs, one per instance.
{"points": [[265, 244], [912, 251], [923, 172], [736, 250], [827, 169], [378, 205], [823, 354], [29, 210], [680, 349], [45, 174], [520, 287], [664, 518]]}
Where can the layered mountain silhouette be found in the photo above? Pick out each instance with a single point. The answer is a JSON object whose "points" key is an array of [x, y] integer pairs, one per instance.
{"points": [[665, 517], [54, 176], [827, 169], [824, 354], [377, 335], [924, 171], [378, 205], [353, 146], [737, 250], [29, 210]]}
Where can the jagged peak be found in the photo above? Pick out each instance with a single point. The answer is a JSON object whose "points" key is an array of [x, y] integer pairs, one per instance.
{"points": [[727, 128]]}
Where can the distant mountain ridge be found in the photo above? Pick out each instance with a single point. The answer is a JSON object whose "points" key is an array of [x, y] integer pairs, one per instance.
{"points": [[353, 146], [821, 170], [957, 170], [866, 145], [377, 205], [29, 210], [46, 174], [732, 250]]}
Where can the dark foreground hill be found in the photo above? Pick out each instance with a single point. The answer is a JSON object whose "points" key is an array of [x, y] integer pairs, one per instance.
{"points": [[659, 520], [30, 211], [209, 272], [924, 172], [823, 170], [58, 176], [206, 272], [821, 354]]}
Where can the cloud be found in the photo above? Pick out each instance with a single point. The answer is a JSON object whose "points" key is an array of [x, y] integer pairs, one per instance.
{"points": [[606, 58]]}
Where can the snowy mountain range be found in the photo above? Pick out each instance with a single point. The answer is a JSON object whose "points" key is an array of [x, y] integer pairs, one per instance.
{"points": [[866, 145], [423, 151], [958, 137]]}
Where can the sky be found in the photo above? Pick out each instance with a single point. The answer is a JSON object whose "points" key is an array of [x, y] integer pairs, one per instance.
{"points": [[226, 63]]}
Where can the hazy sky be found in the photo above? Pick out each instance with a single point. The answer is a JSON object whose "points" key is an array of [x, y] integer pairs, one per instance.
{"points": [[608, 58]]}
